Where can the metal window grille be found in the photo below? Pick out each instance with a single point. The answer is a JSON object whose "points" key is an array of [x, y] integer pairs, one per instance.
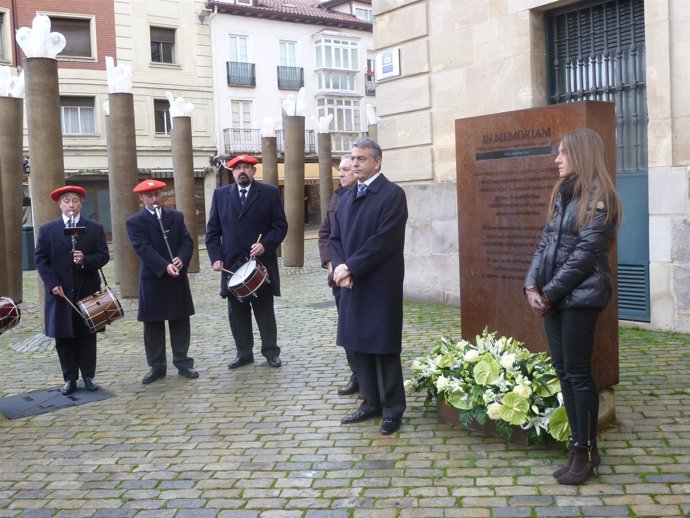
{"points": [[597, 52]]}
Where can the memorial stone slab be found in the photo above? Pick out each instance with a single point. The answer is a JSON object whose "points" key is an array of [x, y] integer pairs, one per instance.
{"points": [[505, 174]]}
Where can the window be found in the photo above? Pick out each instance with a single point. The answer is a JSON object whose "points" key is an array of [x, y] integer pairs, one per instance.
{"points": [[243, 2], [161, 117], [364, 14], [332, 80], [241, 114], [288, 53], [77, 32], [238, 48], [346, 113], [336, 53], [3, 57], [77, 115], [162, 45], [370, 77]]}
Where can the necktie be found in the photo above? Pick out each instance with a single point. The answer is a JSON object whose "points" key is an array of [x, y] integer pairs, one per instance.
{"points": [[243, 196], [361, 190]]}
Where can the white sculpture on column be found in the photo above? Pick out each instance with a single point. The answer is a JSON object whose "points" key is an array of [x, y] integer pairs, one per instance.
{"points": [[39, 42]]}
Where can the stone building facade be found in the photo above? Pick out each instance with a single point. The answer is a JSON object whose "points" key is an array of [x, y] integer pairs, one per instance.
{"points": [[463, 58]]}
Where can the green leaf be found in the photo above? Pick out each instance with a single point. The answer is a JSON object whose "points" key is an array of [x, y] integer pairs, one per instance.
{"points": [[559, 428], [486, 371], [459, 400], [514, 409]]}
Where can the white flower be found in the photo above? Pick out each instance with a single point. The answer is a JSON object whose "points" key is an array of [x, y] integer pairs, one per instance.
{"points": [[523, 390], [494, 411], [471, 356], [507, 361], [441, 383]]}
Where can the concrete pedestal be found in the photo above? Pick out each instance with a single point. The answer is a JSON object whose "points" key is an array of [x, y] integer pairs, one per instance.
{"points": [[183, 172], [325, 172], [293, 126], [122, 177]]}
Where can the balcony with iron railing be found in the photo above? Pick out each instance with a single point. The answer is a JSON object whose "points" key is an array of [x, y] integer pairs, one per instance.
{"points": [[238, 140], [290, 78], [241, 74]]}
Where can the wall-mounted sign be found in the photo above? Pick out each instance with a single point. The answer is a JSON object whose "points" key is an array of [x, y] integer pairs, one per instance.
{"points": [[388, 64]]}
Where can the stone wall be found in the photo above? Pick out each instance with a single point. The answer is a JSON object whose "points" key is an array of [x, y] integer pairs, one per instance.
{"points": [[462, 58]]}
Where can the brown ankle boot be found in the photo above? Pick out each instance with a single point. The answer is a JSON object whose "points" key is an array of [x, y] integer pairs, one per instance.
{"points": [[596, 460], [566, 468], [581, 468]]}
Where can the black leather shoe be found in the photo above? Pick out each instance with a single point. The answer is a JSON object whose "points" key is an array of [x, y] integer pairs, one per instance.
{"points": [[239, 362], [274, 361], [90, 384], [360, 415], [350, 388], [69, 387], [152, 376], [390, 425], [188, 372]]}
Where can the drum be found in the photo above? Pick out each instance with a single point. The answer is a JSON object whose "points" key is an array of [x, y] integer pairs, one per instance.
{"points": [[247, 279], [100, 309], [9, 314]]}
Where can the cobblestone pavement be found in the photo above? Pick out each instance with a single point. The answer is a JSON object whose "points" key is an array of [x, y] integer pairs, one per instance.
{"points": [[268, 443]]}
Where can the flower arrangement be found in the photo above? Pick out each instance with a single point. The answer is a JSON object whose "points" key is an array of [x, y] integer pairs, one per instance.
{"points": [[496, 379]]}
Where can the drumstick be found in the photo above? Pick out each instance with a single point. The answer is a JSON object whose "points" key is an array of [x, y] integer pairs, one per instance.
{"points": [[70, 303], [228, 271], [257, 242]]}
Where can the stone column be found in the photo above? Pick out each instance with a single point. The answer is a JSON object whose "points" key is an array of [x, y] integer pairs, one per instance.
{"points": [[269, 166], [122, 177], [294, 189], [183, 172], [269, 160], [11, 172], [45, 137], [325, 172]]}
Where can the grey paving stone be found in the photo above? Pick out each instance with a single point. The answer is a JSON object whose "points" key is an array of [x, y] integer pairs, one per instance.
{"points": [[267, 443]]}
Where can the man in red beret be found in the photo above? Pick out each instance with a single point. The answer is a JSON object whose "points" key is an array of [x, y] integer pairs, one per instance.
{"points": [[69, 270], [246, 221], [160, 238]]}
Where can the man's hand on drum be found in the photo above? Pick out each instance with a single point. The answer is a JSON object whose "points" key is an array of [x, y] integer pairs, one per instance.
{"points": [[257, 250], [172, 270], [57, 291], [217, 265]]}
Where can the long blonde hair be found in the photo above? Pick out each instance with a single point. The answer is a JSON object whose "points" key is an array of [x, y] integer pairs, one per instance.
{"points": [[593, 184]]}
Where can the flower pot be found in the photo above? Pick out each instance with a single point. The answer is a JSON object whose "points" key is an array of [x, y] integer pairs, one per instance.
{"points": [[451, 415]]}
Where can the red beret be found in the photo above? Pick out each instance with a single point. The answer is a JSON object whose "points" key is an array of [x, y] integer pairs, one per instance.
{"points": [[149, 185], [68, 188], [241, 158]]}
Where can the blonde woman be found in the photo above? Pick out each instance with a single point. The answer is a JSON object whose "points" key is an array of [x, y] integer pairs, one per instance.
{"points": [[569, 283]]}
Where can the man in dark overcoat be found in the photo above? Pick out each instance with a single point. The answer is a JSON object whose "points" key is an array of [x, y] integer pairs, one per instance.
{"points": [[367, 242], [69, 270], [247, 220], [347, 180], [160, 238]]}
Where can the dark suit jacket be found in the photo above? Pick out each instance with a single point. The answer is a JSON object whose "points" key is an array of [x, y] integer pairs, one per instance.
{"points": [[56, 267], [231, 229], [369, 236], [161, 297]]}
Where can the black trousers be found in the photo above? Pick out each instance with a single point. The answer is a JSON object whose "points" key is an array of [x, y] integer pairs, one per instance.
{"points": [[77, 353], [154, 343], [571, 344], [381, 383], [240, 317], [348, 354]]}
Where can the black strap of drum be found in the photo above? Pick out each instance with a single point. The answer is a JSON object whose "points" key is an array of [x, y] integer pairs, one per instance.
{"points": [[103, 275]]}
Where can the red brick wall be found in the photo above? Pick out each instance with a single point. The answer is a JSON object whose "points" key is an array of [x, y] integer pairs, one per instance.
{"points": [[102, 10]]}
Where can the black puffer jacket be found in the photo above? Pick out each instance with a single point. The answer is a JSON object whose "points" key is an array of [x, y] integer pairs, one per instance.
{"points": [[571, 267]]}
